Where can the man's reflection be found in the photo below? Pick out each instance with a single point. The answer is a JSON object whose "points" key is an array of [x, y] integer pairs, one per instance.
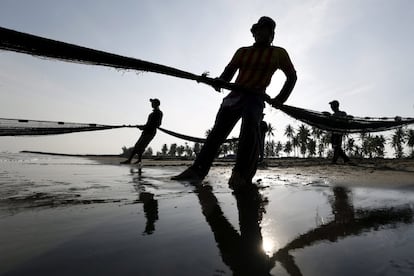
{"points": [[150, 204], [150, 210], [243, 252], [347, 221]]}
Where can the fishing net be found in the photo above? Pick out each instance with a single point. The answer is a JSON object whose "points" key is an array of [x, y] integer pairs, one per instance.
{"points": [[22, 127], [11, 40], [349, 124]]}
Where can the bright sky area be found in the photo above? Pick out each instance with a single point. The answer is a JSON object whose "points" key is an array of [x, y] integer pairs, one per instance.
{"points": [[357, 52]]}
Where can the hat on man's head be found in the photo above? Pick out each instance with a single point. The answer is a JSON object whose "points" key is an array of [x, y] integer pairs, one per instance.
{"points": [[264, 21], [334, 103], [156, 101]]}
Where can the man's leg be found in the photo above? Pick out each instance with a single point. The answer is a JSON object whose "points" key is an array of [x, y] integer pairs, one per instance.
{"points": [[130, 157], [139, 147], [343, 155], [249, 143], [142, 144], [335, 153], [225, 120]]}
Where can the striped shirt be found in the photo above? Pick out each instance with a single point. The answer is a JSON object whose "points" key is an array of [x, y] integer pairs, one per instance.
{"points": [[257, 65]]}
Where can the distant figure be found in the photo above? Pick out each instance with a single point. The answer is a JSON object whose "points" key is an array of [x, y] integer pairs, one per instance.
{"points": [[263, 130], [256, 65], [148, 132], [336, 138]]}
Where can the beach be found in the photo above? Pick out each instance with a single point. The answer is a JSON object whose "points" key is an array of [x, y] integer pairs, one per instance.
{"points": [[89, 215]]}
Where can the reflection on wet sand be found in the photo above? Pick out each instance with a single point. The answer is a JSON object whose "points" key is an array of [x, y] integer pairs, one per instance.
{"points": [[347, 222], [243, 253], [150, 204]]}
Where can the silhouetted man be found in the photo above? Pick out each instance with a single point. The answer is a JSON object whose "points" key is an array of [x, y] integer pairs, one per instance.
{"points": [[256, 65], [336, 137], [148, 132]]}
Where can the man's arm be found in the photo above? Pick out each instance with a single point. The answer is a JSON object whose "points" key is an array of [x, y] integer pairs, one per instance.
{"points": [[228, 73], [289, 70], [287, 88]]}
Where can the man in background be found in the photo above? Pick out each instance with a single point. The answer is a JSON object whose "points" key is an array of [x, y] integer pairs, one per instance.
{"points": [[336, 137], [148, 132]]}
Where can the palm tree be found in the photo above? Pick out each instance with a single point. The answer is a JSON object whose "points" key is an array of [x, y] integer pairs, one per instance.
{"points": [[287, 148], [270, 148], [290, 133], [367, 145], [379, 145], [295, 144], [270, 131], [173, 150], [188, 151], [317, 134], [397, 140], [148, 152], [311, 147], [164, 149], [303, 135], [325, 140], [321, 149], [278, 148], [180, 150], [363, 136], [410, 141]]}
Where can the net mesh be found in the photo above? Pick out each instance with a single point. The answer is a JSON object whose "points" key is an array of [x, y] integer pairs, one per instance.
{"points": [[348, 124]]}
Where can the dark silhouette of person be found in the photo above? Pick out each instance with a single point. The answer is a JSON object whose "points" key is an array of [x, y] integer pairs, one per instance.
{"points": [[256, 65], [242, 252], [263, 130], [150, 210], [148, 132], [149, 203], [336, 137], [347, 221]]}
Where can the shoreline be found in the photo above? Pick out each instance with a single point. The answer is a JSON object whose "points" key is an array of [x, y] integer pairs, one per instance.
{"points": [[368, 173], [392, 164]]}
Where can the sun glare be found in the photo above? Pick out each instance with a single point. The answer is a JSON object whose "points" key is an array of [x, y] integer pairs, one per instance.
{"points": [[268, 245]]}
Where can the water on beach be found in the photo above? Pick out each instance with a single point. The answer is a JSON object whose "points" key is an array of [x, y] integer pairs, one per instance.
{"points": [[75, 216]]}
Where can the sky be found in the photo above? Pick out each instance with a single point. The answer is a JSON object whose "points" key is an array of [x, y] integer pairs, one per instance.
{"points": [[357, 52]]}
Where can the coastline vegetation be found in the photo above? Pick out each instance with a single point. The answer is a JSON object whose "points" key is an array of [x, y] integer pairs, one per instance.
{"points": [[305, 142]]}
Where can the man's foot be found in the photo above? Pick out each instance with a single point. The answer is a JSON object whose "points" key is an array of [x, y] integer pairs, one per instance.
{"points": [[125, 162], [236, 181], [188, 175]]}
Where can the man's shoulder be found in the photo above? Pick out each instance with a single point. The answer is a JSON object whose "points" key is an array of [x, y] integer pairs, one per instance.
{"points": [[276, 48], [158, 111]]}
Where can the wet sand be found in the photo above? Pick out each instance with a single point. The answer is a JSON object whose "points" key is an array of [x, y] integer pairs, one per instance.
{"points": [[91, 216]]}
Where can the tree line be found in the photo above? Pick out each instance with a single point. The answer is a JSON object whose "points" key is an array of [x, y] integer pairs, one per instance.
{"points": [[305, 141]]}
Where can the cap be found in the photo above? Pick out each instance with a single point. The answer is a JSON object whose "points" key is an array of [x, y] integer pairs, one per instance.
{"points": [[334, 103], [264, 21], [156, 101]]}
